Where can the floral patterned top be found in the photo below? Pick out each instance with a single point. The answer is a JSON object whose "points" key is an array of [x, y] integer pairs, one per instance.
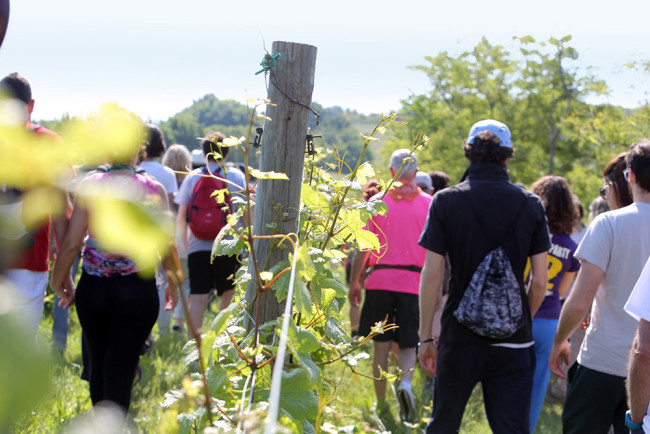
{"points": [[103, 263]]}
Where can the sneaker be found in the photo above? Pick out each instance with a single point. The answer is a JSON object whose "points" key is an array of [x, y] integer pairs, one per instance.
{"points": [[178, 328], [406, 403]]}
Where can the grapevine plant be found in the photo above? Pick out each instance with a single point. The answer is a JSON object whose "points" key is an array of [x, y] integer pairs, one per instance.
{"points": [[231, 364]]}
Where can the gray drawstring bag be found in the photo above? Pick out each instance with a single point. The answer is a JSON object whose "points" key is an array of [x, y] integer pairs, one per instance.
{"points": [[492, 304]]}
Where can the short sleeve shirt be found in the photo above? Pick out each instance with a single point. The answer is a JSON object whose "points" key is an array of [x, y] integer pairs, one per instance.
{"points": [[617, 242], [185, 192], [560, 261], [467, 233], [163, 174]]}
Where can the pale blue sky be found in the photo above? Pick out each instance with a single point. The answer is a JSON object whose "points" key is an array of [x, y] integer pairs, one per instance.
{"points": [[156, 57]]}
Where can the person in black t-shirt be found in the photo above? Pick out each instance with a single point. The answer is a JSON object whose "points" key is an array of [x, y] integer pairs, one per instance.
{"points": [[464, 222]]}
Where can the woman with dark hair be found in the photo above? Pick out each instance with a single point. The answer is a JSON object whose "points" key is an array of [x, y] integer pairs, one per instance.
{"points": [[562, 214], [116, 297], [615, 189]]}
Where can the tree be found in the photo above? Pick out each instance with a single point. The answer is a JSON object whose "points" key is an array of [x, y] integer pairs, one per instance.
{"points": [[540, 93], [550, 89]]}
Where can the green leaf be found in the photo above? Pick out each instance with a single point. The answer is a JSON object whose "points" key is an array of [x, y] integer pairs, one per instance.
{"points": [[298, 397], [302, 297], [334, 284], [224, 245], [268, 175], [302, 340], [217, 377], [281, 286], [206, 347], [304, 266], [364, 173], [169, 423], [327, 295], [186, 421], [335, 331], [312, 198], [367, 240], [220, 322]]}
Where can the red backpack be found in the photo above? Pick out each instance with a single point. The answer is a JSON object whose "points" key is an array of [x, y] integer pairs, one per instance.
{"points": [[205, 215]]}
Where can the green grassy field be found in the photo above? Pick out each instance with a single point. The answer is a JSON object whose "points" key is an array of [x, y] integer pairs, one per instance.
{"points": [[351, 410]]}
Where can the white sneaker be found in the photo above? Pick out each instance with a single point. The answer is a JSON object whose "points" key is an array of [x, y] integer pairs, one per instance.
{"points": [[406, 402]]}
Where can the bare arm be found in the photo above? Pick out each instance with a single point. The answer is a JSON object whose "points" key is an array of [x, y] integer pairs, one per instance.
{"points": [[60, 279], [356, 269], [538, 281], [638, 380], [169, 263], [431, 281], [573, 313], [566, 282], [181, 223]]}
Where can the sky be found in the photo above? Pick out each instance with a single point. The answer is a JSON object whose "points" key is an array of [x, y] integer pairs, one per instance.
{"points": [[157, 57]]}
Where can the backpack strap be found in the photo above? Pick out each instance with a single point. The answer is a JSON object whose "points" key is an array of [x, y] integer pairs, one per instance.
{"points": [[494, 242]]}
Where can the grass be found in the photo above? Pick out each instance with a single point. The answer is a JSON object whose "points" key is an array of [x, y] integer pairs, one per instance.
{"points": [[351, 408]]}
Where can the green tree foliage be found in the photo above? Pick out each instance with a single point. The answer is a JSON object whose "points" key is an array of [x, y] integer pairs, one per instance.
{"points": [[540, 92]]}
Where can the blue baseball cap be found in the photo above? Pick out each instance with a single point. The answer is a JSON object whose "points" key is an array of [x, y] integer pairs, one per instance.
{"points": [[497, 128]]}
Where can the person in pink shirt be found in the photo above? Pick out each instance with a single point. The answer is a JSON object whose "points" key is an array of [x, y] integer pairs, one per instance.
{"points": [[392, 285]]}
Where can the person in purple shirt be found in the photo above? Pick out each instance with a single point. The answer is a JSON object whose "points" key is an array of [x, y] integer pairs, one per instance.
{"points": [[562, 215]]}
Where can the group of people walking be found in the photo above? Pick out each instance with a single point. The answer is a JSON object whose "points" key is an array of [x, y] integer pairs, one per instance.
{"points": [[118, 301], [499, 261], [492, 283]]}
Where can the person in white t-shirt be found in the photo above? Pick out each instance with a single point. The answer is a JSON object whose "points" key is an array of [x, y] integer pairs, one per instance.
{"points": [[613, 253], [155, 148]]}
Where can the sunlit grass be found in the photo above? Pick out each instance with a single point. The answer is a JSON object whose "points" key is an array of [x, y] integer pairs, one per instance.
{"points": [[163, 369]]}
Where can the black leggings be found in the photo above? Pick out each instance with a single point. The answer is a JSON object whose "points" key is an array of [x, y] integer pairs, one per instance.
{"points": [[117, 314]]}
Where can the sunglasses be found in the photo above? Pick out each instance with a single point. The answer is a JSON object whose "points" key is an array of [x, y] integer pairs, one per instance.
{"points": [[603, 191], [626, 174]]}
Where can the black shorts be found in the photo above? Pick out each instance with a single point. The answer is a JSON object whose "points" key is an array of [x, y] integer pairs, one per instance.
{"points": [[206, 276], [401, 309]]}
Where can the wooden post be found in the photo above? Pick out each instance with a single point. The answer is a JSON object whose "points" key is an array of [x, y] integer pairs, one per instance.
{"points": [[283, 150]]}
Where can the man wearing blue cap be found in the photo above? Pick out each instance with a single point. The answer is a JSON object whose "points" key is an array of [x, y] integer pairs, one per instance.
{"points": [[484, 224]]}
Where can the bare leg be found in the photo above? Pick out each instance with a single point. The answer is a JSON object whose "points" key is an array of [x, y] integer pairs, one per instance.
{"points": [[380, 360], [198, 303], [407, 359], [225, 299]]}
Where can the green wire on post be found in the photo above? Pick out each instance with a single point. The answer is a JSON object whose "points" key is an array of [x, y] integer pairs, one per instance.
{"points": [[268, 62]]}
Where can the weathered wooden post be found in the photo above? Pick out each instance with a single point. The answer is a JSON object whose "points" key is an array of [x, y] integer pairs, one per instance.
{"points": [[291, 83]]}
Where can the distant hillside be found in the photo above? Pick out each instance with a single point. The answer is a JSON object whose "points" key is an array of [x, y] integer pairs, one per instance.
{"points": [[339, 127]]}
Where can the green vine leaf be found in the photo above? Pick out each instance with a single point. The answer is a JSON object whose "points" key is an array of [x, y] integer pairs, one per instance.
{"points": [[206, 346], [268, 175], [364, 173], [334, 284], [220, 322], [225, 246], [298, 397], [302, 340]]}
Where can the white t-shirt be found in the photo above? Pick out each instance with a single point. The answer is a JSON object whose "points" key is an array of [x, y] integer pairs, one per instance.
{"points": [[638, 306], [185, 193], [163, 174], [617, 242]]}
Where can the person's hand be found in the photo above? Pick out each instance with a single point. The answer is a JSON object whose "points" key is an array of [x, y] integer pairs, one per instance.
{"points": [[65, 292], [428, 355], [559, 353], [171, 292], [354, 295], [584, 325]]}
